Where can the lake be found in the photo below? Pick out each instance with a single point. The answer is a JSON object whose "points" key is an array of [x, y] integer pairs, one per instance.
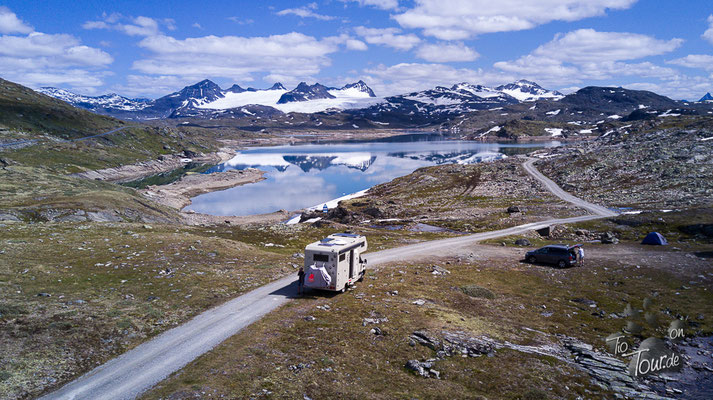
{"points": [[309, 175]]}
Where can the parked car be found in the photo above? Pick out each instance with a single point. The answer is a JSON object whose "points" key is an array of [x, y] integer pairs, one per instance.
{"points": [[558, 254]]}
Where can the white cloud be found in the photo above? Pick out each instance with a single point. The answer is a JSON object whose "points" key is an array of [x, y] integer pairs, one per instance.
{"points": [[307, 11], [197, 25], [9, 23], [462, 19], [293, 55], [146, 85], [390, 37], [382, 4], [133, 26], [701, 61], [40, 59], [678, 86], [586, 54], [407, 77], [708, 34], [444, 52], [354, 44]]}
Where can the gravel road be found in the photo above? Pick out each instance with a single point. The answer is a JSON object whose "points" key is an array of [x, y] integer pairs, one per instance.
{"points": [[137, 370]]}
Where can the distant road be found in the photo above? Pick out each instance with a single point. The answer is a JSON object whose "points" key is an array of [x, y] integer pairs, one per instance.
{"points": [[139, 369], [71, 140]]}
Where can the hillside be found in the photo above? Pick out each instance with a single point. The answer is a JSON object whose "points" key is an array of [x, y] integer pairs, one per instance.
{"points": [[23, 109]]}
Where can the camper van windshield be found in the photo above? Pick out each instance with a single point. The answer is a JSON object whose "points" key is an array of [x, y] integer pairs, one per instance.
{"points": [[321, 257]]}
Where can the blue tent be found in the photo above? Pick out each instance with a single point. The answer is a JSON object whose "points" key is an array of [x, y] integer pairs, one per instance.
{"points": [[654, 238]]}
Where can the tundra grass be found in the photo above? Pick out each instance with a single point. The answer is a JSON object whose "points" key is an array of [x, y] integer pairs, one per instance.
{"points": [[335, 354]]}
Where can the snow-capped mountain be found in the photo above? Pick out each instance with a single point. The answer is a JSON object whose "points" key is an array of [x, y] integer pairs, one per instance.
{"points": [[94, 103], [305, 92], [304, 98], [524, 90], [207, 100]]}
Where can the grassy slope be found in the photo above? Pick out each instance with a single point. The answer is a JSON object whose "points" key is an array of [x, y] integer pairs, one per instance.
{"points": [[466, 198], [23, 109], [336, 356]]}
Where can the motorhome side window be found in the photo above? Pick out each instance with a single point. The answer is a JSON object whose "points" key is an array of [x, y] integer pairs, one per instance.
{"points": [[321, 257], [342, 257]]}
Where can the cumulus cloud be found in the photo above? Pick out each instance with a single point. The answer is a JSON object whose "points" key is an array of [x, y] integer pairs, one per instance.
{"points": [[308, 11], [445, 52], [462, 19], [708, 34], [40, 59], [382, 4], [9, 23], [588, 54], [390, 37], [678, 86], [293, 55], [407, 77], [133, 26], [700, 61]]}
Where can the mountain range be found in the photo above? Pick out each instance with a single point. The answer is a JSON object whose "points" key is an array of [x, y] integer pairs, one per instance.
{"points": [[207, 100]]}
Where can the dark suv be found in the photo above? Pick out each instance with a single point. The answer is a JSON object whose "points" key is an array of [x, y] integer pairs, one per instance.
{"points": [[558, 254]]}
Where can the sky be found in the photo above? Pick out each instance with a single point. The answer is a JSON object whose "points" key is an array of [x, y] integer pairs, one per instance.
{"points": [[152, 48]]}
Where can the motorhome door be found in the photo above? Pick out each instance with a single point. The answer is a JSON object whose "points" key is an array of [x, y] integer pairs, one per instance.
{"points": [[351, 264]]}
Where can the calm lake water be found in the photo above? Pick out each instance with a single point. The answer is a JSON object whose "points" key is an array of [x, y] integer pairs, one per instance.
{"points": [[309, 175]]}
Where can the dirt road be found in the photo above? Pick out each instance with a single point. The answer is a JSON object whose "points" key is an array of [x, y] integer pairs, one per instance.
{"points": [[137, 370]]}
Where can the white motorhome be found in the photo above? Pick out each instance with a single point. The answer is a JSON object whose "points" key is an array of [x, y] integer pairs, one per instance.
{"points": [[335, 262]]}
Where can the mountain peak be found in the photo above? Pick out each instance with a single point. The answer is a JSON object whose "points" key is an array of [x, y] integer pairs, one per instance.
{"points": [[235, 89], [305, 92], [707, 97], [277, 86], [360, 86]]}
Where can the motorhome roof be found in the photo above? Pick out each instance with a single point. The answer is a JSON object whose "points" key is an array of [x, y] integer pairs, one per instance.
{"points": [[335, 242]]}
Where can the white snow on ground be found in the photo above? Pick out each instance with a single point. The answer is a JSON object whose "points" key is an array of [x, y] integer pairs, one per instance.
{"points": [[614, 116], [631, 212], [641, 106], [668, 113], [585, 131], [333, 203], [494, 129], [233, 100], [441, 101], [313, 106], [524, 96], [706, 139], [294, 220], [554, 131], [555, 112], [344, 99]]}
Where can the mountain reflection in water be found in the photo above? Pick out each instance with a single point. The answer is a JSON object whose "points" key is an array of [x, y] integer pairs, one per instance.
{"points": [[308, 175]]}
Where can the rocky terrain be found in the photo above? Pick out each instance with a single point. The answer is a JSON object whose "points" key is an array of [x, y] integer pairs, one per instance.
{"points": [[460, 198], [665, 163], [481, 325]]}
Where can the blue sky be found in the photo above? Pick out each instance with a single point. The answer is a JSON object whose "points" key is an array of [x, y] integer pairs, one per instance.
{"points": [[151, 48]]}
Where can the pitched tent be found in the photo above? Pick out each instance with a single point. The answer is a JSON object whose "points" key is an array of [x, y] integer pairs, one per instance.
{"points": [[654, 238]]}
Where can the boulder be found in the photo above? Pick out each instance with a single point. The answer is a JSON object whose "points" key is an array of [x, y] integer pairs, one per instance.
{"points": [[514, 209], [608, 238], [523, 242]]}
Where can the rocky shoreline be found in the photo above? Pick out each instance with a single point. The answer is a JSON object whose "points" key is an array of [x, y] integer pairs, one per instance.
{"points": [[164, 163], [178, 194]]}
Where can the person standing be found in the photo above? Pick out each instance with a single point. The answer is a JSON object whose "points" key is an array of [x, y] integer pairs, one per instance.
{"points": [[580, 255], [301, 281]]}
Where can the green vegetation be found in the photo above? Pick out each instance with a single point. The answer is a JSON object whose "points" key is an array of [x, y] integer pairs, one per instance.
{"points": [[337, 355]]}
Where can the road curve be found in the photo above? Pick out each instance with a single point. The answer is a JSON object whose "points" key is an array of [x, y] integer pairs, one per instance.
{"points": [[139, 369], [557, 191]]}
